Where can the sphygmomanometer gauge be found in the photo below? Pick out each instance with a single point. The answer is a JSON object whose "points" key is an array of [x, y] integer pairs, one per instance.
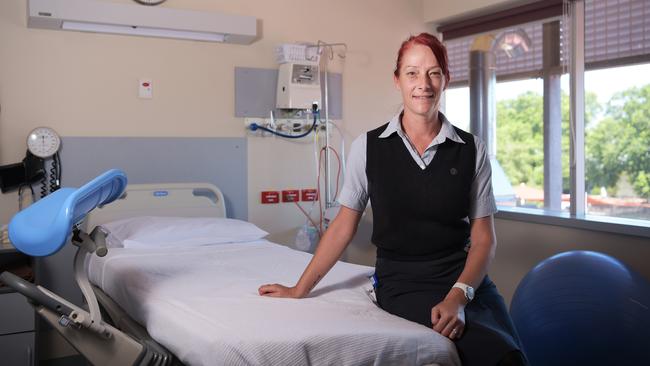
{"points": [[43, 142]]}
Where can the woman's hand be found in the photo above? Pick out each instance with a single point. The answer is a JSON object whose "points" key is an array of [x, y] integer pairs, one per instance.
{"points": [[276, 290], [448, 317]]}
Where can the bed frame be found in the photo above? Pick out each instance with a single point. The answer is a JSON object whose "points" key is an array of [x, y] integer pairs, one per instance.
{"points": [[102, 332], [169, 199]]}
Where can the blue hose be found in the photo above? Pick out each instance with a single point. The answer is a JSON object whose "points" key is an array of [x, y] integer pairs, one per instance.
{"points": [[254, 127]]}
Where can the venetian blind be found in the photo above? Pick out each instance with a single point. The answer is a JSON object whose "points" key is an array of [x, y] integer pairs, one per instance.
{"points": [[617, 32]]}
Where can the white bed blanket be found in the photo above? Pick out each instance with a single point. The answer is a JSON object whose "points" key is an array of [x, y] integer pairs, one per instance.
{"points": [[202, 304]]}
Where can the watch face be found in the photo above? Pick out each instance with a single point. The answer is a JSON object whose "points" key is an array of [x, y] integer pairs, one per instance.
{"points": [[43, 142], [150, 2], [470, 293]]}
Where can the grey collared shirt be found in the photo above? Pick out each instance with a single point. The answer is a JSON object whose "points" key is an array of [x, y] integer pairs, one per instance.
{"points": [[354, 194]]}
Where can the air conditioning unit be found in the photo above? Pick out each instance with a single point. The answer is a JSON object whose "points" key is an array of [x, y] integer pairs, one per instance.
{"points": [[131, 19]]}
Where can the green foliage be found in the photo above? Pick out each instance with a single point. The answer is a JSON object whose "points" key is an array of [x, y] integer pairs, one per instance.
{"points": [[616, 144], [520, 134], [621, 142]]}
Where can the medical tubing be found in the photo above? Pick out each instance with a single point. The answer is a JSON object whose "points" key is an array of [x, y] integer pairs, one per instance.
{"points": [[20, 197], [338, 173], [316, 149], [311, 208], [338, 129], [54, 174], [58, 169], [254, 126], [308, 218], [44, 186]]}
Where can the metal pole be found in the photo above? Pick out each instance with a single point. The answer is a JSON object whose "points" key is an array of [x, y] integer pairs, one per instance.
{"points": [[328, 189], [552, 117], [481, 95], [577, 148]]}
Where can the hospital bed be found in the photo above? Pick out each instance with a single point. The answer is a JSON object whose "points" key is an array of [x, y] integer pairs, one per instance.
{"points": [[177, 289]]}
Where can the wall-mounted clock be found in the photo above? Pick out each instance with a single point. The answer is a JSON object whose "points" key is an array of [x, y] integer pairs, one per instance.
{"points": [[150, 2]]}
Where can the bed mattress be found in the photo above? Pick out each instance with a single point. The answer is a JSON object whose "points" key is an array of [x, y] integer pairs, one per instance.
{"points": [[202, 304]]}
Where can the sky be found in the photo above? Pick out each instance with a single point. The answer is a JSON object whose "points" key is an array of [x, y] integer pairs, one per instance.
{"points": [[604, 83]]}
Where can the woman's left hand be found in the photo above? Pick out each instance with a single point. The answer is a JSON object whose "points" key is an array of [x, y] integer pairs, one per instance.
{"points": [[448, 317]]}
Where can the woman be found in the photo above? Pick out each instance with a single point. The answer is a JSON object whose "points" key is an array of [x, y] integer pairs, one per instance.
{"points": [[432, 201]]}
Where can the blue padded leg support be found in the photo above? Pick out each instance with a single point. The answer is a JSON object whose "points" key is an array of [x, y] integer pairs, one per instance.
{"points": [[44, 227]]}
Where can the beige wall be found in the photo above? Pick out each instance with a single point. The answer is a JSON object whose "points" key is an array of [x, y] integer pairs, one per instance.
{"points": [[84, 84], [437, 12], [522, 245]]}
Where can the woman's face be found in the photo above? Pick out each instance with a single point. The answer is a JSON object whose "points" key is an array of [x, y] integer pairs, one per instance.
{"points": [[420, 81]]}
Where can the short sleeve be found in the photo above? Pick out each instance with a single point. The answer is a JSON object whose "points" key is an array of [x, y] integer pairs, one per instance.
{"points": [[482, 202], [354, 194]]}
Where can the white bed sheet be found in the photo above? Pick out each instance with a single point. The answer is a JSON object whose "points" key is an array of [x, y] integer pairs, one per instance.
{"points": [[202, 304]]}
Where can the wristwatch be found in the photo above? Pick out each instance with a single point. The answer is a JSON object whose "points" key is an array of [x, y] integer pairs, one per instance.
{"points": [[467, 290]]}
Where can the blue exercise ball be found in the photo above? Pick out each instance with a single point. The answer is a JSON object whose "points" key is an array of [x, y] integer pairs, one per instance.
{"points": [[583, 308]]}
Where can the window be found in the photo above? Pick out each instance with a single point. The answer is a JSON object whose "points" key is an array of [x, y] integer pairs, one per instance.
{"points": [[617, 141], [616, 101]]}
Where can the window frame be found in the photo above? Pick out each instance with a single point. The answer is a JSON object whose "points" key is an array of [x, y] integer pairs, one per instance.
{"points": [[578, 218]]}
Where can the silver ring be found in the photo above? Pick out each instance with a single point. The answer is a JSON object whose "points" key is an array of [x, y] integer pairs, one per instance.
{"points": [[453, 331]]}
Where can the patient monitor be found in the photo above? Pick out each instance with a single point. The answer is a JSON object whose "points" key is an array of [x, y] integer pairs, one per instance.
{"points": [[41, 230]]}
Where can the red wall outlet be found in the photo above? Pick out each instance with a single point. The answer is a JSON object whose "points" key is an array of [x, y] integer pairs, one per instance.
{"points": [[291, 195], [270, 197], [309, 195]]}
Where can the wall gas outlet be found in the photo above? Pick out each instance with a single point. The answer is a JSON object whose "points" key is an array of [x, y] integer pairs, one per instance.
{"points": [[309, 195], [269, 197], [290, 195]]}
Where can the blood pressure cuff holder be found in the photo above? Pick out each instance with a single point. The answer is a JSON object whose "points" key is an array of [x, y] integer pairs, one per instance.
{"points": [[29, 171]]}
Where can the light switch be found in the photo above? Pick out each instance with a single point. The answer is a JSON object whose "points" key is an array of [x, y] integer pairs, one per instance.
{"points": [[145, 89]]}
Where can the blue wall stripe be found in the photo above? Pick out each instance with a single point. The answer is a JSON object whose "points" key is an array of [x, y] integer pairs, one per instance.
{"points": [[220, 161]]}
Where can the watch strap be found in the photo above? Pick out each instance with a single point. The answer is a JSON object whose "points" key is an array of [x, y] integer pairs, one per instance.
{"points": [[468, 291]]}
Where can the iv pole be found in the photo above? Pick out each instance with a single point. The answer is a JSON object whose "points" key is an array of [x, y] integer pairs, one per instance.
{"points": [[320, 47]]}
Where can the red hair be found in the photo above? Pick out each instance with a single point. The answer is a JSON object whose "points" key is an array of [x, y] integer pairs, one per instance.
{"points": [[436, 47]]}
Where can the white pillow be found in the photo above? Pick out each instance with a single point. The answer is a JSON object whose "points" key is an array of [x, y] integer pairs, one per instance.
{"points": [[152, 231]]}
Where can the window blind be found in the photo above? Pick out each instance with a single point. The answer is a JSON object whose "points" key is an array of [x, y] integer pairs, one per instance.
{"points": [[617, 33]]}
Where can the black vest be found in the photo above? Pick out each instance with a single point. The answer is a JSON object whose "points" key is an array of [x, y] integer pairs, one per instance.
{"points": [[419, 214]]}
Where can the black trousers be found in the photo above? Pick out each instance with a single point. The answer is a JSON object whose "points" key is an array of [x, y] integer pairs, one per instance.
{"points": [[410, 289]]}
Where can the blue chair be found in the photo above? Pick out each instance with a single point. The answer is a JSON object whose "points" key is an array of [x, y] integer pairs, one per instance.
{"points": [[583, 308]]}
